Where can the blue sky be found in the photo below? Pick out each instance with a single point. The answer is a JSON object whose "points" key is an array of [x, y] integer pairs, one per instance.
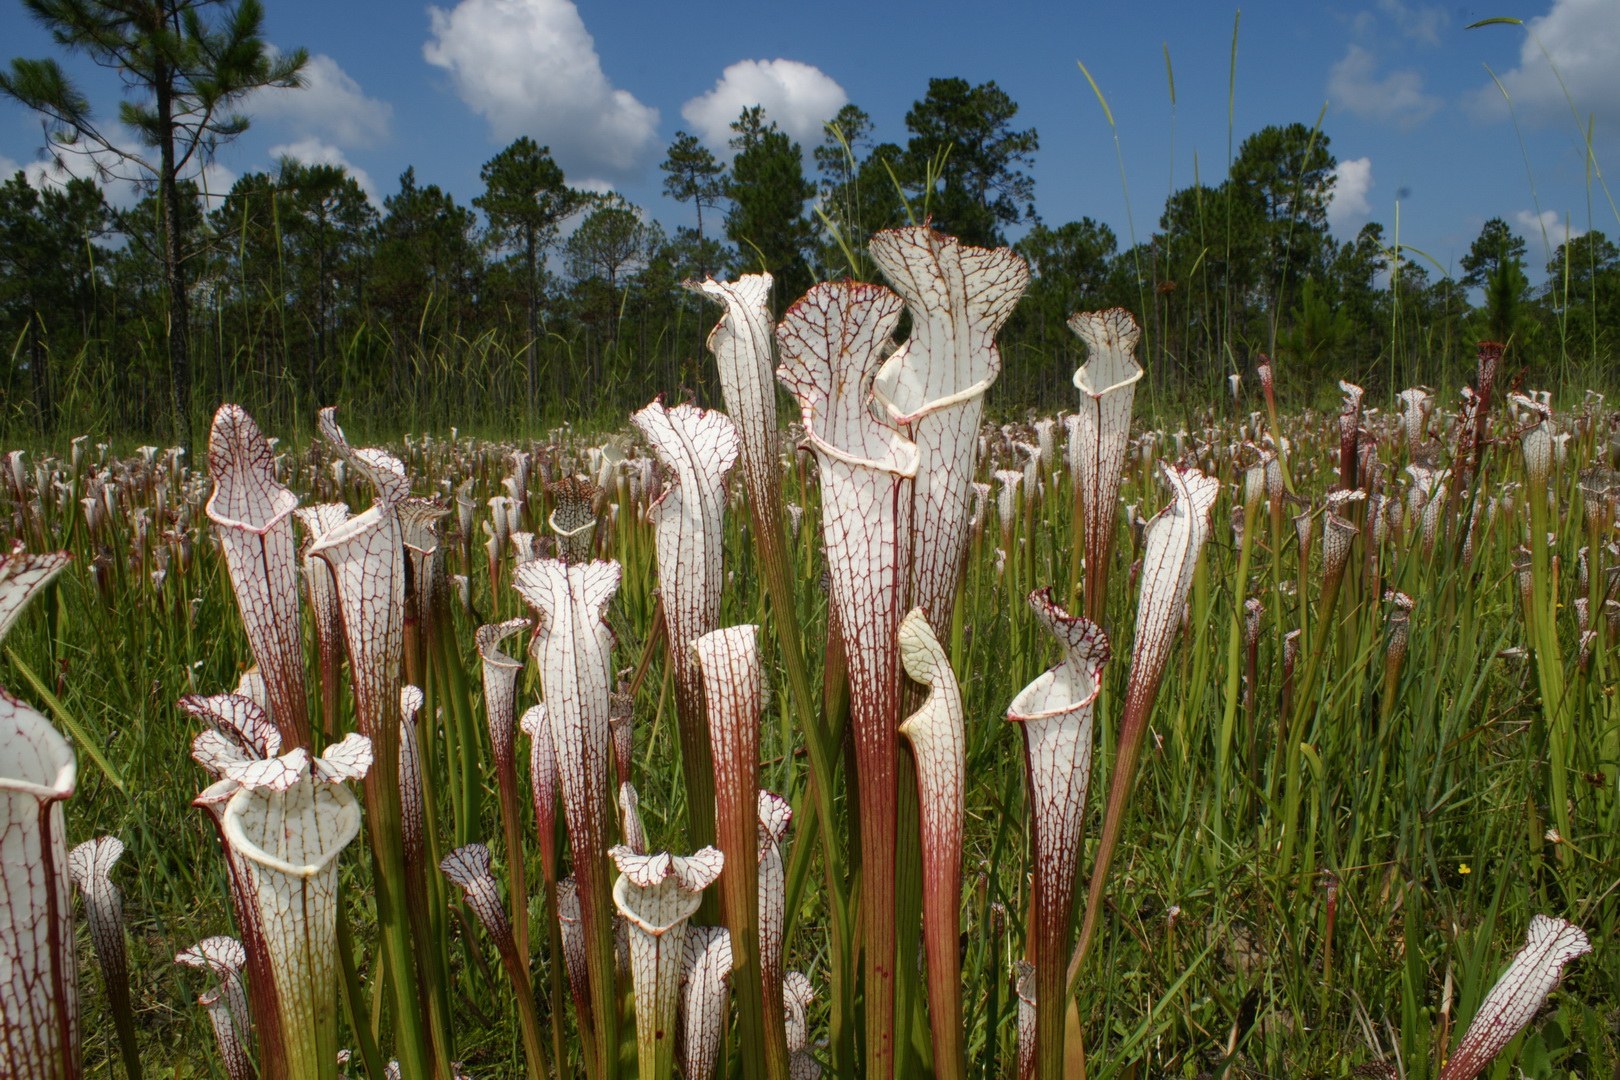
{"points": [[1411, 110]]}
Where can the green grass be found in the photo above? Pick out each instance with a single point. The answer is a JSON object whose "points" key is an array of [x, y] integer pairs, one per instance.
{"points": [[1422, 816]]}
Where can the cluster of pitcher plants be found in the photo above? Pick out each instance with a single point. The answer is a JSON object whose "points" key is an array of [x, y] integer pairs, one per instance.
{"points": [[824, 647]]}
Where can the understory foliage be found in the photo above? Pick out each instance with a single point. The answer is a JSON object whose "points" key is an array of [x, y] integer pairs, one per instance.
{"points": [[1276, 742], [533, 302]]}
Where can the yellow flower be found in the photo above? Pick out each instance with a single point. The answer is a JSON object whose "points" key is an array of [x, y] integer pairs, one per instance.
{"points": [[1464, 868]]}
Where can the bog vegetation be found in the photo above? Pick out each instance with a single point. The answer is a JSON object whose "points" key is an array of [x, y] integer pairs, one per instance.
{"points": [[1346, 678], [772, 706]]}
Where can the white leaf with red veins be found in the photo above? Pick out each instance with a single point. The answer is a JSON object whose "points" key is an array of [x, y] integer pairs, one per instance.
{"points": [[699, 447], [1056, 713], [271, 774], [831, 341], [368, 566], [657, 894], [775, 814], [1175, 537], [39, 1007], [933, 386], [542, 782], [635, 834], [1024, 985], [21, 576], [469, 868], [91, 865], [938, 736], [573, 940], [573, 647], [347, 759], [741, 344], [225, 1003], [1518, 995], [500, 688], [412, 808], [250, 684], [383, 470], [706, 983], [237, 722], [1102, 428], [797, 996], [287, 843], [252, 516], [321, 589]]}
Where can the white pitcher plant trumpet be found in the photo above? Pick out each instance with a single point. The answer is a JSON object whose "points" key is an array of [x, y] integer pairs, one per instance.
{"points": [[39, 1007], [286, 825], [573, 647], [1518, 995], [225, 1002], [1055, 713], [733, 685], [1107, 383], [831, 342], [657, 894], [1174, 541], [938, 736], [252, 516], [705, 990], [699, 447]]}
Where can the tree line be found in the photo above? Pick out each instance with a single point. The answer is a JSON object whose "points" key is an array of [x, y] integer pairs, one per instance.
{"points": [[538, 301]]}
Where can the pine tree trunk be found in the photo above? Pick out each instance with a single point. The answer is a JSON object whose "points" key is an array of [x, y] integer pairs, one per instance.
{"points": [[173, 271], [529, 358]]}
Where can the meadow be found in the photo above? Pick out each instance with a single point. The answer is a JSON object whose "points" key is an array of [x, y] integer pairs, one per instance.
{"points": [[1342, 680]]}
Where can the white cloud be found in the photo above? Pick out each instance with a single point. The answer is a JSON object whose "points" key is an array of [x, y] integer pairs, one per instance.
{"points": [[1397, 98], [1348, 207], [1581, 38], [1548, 226], [1416, 21], [122, 182], [530, 67], [312, 151], [799, 97], [330, 105]]}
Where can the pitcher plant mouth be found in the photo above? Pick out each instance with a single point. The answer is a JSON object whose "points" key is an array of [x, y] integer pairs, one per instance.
{"points": [[1055, 713], [252, 513], [1518, 995], [698, 448], [573, 647], [657, 894], [830, 343], [1107, 385]]}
